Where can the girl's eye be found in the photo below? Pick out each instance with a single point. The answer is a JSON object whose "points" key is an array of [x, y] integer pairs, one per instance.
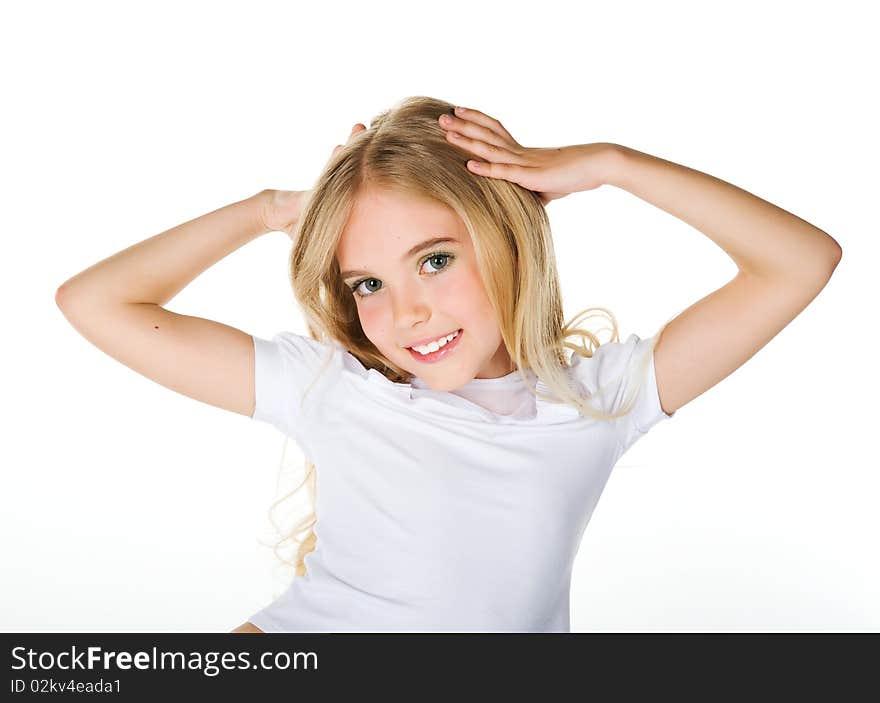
{"points": [[442, 257]]}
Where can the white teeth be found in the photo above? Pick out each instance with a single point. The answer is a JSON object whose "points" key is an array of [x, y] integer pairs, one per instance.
{"points": [[436, 344]]}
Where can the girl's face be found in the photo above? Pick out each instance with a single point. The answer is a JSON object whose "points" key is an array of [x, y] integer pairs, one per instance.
{"points": [[409, 289]]}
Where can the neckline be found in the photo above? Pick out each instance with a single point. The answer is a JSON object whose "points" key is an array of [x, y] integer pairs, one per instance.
{"points": [[451, 405], [505, 396], [511, 379]]}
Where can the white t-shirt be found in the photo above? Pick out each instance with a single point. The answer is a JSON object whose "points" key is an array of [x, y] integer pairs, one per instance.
{"points": [[439, 511]]}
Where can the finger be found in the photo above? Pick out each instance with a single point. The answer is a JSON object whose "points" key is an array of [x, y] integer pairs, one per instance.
{"points": [[479, 118], [354, 130], [490, 152], [475, 131], [497, 170], [357, 129]]}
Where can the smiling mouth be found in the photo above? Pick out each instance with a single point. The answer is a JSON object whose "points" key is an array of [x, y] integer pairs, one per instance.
{"points": [[445, 338], [435, 352]]}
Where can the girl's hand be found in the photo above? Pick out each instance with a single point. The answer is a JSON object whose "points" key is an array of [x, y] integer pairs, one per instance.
{"points": [[281, 210], [282, 207], [551, 172]]}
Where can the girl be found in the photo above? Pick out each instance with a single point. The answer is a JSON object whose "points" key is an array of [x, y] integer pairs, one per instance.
{"points": [[460, 452]]}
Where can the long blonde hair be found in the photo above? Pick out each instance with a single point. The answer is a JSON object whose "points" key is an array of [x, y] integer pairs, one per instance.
{"points": [[405, 150]]}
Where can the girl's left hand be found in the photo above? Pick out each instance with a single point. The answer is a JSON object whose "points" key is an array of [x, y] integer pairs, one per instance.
{"points": [[281, 208], [551, 172]]}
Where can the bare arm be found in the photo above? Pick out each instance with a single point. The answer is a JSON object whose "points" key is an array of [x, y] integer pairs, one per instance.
{"points": [[784, 262], [116, 304]]}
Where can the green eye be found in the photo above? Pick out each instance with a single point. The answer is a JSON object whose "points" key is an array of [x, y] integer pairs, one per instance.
{"points": [[444, 257], [438, 255], [357, 285]]}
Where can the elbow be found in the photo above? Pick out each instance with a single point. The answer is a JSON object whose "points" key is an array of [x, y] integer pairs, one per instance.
{"points": [[836, 249], [821, 266], [60, 294], [64, 295], [836, 255], [828, 257]]}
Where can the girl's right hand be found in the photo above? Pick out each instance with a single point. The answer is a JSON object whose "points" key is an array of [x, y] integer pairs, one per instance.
{"points": [[282, 208]]}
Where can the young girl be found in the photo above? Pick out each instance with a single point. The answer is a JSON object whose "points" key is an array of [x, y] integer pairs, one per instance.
{"points": [[459, 451]]}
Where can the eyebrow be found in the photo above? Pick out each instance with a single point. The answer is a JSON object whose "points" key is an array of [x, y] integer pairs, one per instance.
{"points": [[412, 252]]}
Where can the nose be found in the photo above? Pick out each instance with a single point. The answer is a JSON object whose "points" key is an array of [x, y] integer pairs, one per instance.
{"points": [[409, 307]]}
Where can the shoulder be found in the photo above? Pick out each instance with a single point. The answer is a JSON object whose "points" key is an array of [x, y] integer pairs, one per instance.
{"points": [[610, 361], [291, 344], [291, 354]]}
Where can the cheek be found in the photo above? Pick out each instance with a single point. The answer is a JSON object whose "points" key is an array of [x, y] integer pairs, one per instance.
{"points": [[465, 294], [378, 325], [371, 320]]}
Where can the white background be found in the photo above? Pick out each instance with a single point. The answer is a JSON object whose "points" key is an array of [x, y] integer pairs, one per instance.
{"points": [[128, 507]]}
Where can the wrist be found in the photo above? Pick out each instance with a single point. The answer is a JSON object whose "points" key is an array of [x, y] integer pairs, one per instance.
{"points": [[615, 164], [262, 204]]}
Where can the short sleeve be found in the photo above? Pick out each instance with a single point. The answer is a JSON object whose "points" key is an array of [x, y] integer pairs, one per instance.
{"points": [[285, 366], [620, 373]]}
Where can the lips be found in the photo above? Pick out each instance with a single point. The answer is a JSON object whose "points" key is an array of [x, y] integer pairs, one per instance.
{"points": [[441, 353], [428, 340]]}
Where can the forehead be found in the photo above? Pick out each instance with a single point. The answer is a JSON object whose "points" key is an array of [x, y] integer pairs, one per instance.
{"points": [[386, 221]]}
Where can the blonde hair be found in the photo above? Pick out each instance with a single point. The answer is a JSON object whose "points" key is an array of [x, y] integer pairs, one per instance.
{"points": [[512, 242]]}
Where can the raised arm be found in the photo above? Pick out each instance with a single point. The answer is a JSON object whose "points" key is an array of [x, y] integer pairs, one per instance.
{"points": [[784, 261], [116, 304]]}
